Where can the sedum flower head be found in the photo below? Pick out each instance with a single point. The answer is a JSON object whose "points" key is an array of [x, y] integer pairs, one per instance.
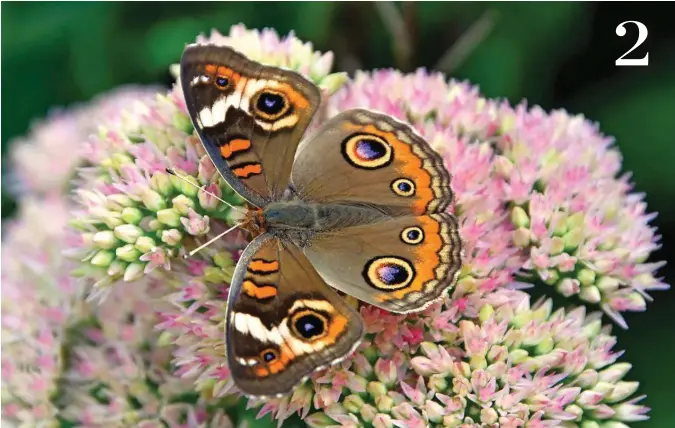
{"points": [[514, 365], [120, 371], [583, 230], [390, 380], [69, 360], [39, 300], [432, 368], [45, 159]]}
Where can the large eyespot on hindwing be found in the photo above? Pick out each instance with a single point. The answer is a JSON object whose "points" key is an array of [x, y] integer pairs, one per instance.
{"points": [[388, 273], [403, 187], [367, 151], [270, 105], [309, 325], [412, 235]]}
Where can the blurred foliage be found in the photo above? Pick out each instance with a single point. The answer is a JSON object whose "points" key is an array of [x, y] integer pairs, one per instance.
{"points": [[557, 55]]}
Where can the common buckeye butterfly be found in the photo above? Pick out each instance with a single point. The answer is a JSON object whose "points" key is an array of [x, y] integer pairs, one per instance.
{"points": [[360, 205]]}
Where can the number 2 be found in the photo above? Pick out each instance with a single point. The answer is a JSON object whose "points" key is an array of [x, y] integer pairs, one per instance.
{"points": [[642, 36]]}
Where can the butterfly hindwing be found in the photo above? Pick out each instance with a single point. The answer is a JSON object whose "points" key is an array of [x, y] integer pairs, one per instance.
{"points": [[364, 157], [401, 264], [283, 321], [250, 117]]}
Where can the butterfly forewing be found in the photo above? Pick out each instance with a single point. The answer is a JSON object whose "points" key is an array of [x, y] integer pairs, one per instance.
{"points": [[283, 320], [250, 117]]}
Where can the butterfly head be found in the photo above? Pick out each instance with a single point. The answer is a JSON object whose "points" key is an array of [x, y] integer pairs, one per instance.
{"points": [[254, 221]]}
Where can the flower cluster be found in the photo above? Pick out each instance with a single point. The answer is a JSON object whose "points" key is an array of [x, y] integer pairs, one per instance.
{"points": [[38, 301], [134, 215], [45, 160], [120, 372], [65, 359], [514, 365], [539, 204]]}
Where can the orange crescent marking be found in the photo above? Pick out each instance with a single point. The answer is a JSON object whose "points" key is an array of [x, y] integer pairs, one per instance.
{"points": [[230, 74], [261, 371], [258, 292], [234, 146], [248, 170], [264, 266], [210, 69]]}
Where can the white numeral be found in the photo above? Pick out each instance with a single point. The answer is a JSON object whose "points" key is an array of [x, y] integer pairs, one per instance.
{"points": [[642, 36]]}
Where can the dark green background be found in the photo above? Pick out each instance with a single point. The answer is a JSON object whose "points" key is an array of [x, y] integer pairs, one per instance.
{"points": [[558, 55]]}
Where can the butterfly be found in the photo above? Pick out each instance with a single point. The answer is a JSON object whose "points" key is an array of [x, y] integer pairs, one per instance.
{"points": [[359, 206]]}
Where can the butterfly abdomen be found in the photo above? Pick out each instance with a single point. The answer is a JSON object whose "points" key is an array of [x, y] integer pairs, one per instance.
{"points": [[289, 215], [317, 217]]}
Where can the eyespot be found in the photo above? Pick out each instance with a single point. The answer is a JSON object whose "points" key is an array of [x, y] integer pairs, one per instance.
{"points": [[403, 187], [270, 105], [389, 273], [309, 325], [367, 151], [412, 235], [222, 82], [269, 355]]}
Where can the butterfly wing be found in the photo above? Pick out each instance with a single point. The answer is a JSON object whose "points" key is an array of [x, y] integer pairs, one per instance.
{"points": [[283, 322], [401, 264], [250, 117], [363, 157]]}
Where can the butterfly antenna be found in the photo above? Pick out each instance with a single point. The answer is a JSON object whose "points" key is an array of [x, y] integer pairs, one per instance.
{"points": [[234, 207], [201, 247]]}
